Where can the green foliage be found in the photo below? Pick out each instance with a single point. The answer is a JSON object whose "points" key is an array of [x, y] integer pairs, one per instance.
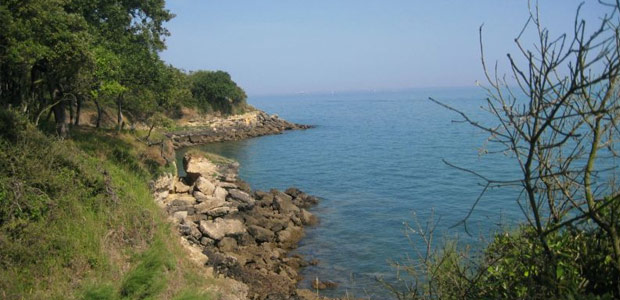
{"points": [[82, 225], [216, 91], [146, 280], [191, 295]]}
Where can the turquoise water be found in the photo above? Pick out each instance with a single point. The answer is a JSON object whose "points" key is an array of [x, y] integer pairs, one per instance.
{"points": [[375, 159]]}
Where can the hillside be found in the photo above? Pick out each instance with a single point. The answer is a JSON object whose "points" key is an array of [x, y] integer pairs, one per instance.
{"points": [[77, 220]]}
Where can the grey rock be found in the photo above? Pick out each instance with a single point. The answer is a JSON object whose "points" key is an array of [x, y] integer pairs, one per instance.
{"points": [[261, 234], [200, 196], [226, 185], [227, 244], [285, 204], [208, 204], [220, 228], [205, 241], [293, 192], [308, 218], [221, 211], [242, 196]]}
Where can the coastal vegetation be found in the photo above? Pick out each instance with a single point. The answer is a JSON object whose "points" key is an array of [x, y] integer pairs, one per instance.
{"points": [[557, 119], [58, 55], [77, 219]]}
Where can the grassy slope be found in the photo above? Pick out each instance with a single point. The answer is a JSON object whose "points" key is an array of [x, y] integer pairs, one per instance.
{"points": [[77, 220]]}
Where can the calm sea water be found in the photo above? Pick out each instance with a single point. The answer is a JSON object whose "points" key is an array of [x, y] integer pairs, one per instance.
{"points": [[375, 160]]}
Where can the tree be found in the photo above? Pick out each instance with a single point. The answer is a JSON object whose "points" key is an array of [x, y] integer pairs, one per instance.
{"points": [[557, 117], [217, 91]]}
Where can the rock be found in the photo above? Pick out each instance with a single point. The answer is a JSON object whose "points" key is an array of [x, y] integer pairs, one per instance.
{"points": [[185, 229], [246, 239], [261, 234], [282, 196], [221, 211], [160, 197], [293, 192], [244, 186], [242, 196], [198, 165], [208, 204], [163, 183], [205, 186], [181, 200], [190, 229], [226, 185], [220, 193], [322, 285], [290, 236], [308, 218], [199, 196], [205, 241], [180, 187], [220, 228], [227, 244], [284, 204], [180, 216]]}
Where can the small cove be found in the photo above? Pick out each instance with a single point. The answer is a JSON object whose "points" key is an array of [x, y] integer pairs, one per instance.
{"points": [[375, 159]]}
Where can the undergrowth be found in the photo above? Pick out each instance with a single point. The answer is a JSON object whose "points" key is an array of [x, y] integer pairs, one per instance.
{"points": [[77, 220]]}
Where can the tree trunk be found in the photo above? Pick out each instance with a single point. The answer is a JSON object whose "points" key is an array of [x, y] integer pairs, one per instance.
{"points": [[98, 125], [71, 114], [78, 110], [119, 104], [60, 115]]}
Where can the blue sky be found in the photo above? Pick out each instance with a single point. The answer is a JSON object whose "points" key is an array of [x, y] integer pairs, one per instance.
{"points": [[280, 47]]}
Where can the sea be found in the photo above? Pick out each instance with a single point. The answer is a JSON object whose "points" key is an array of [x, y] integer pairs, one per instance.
{"points": [[381, 164]]}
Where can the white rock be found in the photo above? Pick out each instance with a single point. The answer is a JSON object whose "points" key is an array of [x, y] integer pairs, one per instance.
{"points": [[205, 186], [220, 193]]}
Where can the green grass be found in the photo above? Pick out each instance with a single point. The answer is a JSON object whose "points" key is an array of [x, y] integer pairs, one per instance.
{"points": [[77, 220]]}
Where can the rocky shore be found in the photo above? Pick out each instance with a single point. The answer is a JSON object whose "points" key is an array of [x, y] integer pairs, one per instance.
{"points": [[239, 233], [237, 127]]}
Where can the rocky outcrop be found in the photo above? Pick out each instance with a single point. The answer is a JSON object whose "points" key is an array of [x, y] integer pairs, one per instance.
{"points": [[237, 127], [244, 235]]}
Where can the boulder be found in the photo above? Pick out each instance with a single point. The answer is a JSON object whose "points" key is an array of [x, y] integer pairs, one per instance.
{"points": [[220, 193], [307, 218], [220, 228], [205, 186], [208, 204], [181, 200], [163, 183], [227, 244], [180, 216], [293, 192], [322, 285], [205, 241], [221, 211], [284, 204], [180, 187], [226, 185], [200, 196], [242, 196], [198, 165], [244, 186], [290, 236], [261, 234], [282, 196]]}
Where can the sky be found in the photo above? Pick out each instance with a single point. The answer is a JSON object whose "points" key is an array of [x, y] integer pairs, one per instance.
{"points": [[291, 46]]}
